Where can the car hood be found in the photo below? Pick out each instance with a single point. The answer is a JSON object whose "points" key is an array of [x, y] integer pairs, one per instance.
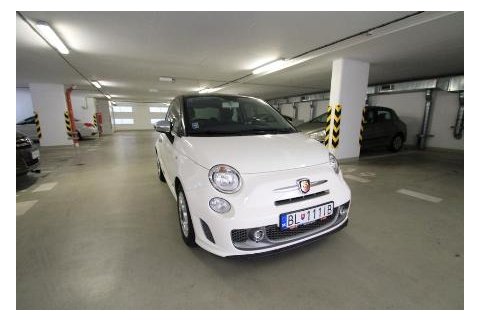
{"points": [[257, 153], [311, 127]]}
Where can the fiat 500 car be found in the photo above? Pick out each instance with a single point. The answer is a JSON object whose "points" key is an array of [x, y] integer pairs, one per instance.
{"points": [[245, 181]]}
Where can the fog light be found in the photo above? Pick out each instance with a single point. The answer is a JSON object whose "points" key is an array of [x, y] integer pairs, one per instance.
{"points": [[343, 210], [219, 205], [257, 235]]}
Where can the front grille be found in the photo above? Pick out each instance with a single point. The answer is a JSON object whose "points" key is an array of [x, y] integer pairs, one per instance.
{"points": [[275, 233], [301, 198], [239, 235], [206, 231]]}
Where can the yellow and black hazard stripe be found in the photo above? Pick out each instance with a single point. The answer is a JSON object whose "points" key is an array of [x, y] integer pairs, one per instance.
{"points": [[37, 126], [332, 132], [95, 119], [68, 124], [362, 126], [327, 129]]}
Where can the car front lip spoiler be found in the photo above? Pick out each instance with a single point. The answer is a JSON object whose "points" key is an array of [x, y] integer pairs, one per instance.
{"points": [[290, 247]]}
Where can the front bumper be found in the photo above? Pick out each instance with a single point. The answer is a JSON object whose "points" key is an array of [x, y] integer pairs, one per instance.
{"points": [[259, 203], [25, 161]]}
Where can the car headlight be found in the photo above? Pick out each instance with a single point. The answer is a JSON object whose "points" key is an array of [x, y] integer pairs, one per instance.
{"points": [[333, 163], [224, 178], [319, 135]]}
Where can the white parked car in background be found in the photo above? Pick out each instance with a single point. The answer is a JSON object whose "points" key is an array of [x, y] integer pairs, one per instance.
{"points": [[86, 129], [245, 180]]}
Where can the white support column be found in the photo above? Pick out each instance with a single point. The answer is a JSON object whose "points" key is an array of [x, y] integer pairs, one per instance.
{"points": [[348, 90], [50, 104], [103, 106]]}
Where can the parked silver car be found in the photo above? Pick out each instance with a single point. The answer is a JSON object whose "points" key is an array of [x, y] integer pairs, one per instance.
{"points": [[84, 129]]}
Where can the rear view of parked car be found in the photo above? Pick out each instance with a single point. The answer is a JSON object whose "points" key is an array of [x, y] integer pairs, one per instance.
{"points": [[383, 128], [86, 129], [28, 154]]}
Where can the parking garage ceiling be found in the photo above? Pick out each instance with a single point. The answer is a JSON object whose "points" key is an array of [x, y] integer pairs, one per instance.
{"points": [[129, 51]]}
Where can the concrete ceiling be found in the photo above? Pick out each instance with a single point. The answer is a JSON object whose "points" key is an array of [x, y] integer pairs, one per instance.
{"points": [[128, 51]]}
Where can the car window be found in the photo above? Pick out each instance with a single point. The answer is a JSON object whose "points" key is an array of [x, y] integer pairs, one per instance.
{"points": [[370, 116], [30, 120], [384, 115], [320, 118], [224, 115], [174, 116]]}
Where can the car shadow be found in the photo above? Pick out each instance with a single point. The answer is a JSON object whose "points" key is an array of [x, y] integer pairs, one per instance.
{"points": [[26, 181]]}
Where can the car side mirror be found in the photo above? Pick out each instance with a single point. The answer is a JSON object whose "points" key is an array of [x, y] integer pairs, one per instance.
{"points": [[162, 126]]}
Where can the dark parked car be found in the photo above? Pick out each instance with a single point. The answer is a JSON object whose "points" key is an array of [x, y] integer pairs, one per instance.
{"points": [[382, 128], [28, 155], [27, 126]]}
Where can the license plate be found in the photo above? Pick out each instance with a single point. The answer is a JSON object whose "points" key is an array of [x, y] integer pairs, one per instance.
{"points": [[35, 154], [294, 219]]}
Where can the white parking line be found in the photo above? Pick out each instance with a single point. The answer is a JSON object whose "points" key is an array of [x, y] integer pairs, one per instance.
{"points": [[45, 187], [355, 178], [419, 195], [24, 206], [368, 174]]}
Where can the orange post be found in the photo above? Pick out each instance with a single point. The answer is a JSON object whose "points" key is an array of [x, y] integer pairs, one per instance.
{"points": [[68, 94]]}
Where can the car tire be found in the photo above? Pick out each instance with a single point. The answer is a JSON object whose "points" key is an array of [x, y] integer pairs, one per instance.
{"points": [[185, 221], [160, 171], [79, 136], [396, 144]]}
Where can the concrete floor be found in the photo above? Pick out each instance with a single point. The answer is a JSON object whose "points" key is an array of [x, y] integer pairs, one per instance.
{"points": [[106, 236]]}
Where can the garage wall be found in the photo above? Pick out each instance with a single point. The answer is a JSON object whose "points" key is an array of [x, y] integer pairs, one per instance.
{"points": [[83, 106], [24, 104], [445, 106], [141, 115], [304, 111], [287, 109], [410, 107], [320, 107]]}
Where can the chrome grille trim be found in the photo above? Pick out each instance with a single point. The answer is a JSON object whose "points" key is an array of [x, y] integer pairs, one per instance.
{"points": [[295, 186], [302, 198]]}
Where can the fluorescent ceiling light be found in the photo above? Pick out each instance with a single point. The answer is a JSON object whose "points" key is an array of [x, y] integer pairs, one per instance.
{"points": [[108, 96], [47, 32], [272, 66], [152, 90], [166, 79], [96, 84], [209, 90]]}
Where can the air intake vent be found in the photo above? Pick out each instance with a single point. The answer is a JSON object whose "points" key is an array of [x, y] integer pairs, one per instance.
{"points": [[206, 231]]}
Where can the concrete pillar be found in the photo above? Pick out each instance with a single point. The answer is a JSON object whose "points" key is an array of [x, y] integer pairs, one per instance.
{"points": [[348, 90], [50, 104], [103, 106]]}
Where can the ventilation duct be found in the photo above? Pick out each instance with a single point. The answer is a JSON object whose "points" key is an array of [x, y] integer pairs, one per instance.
{"points": [[451, 84]]}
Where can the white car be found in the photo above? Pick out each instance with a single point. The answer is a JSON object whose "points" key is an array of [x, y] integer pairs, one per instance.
{"points": [[245, 181], [86, 129]]}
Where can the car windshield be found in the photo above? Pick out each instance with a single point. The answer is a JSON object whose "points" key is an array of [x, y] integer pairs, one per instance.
{"points": [[320, 119], [220, 115]]}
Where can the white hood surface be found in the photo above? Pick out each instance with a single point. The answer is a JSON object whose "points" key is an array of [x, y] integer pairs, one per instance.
{"points": [[256, 153]]}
